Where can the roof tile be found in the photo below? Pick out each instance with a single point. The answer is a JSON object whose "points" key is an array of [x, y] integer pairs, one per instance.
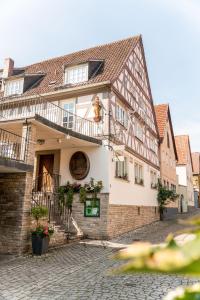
{"points": [[113, 54]]}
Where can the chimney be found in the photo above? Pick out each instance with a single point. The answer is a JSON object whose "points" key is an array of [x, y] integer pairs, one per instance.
{"points": [[8, 67]]}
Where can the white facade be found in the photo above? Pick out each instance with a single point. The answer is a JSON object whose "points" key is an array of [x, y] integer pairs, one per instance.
{"points": [[184, 173], [103, 168], [128, 192]]}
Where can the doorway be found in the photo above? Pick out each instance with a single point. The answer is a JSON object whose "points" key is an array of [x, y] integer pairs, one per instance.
{"points": [[45, 173]]}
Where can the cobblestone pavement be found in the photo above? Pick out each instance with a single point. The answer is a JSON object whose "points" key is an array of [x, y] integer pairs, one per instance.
{"points": [[81, 271]]}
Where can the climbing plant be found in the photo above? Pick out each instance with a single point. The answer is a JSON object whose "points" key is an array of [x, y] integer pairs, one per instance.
{"points": [[164, 197]]}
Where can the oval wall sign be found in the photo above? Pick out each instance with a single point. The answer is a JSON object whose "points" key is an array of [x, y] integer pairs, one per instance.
{"points": [[79, 165]]}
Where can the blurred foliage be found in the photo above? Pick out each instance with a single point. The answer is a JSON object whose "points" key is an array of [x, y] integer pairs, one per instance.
{"points": [[167, 258], [187, 293]]}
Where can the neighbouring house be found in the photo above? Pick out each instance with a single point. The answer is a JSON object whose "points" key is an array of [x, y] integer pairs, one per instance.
{"points": [[168, 154], [84, 115], [184, 171], [196, 177]]}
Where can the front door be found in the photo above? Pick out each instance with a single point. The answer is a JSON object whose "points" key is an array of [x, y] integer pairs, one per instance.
{"points": [[45, 173]]}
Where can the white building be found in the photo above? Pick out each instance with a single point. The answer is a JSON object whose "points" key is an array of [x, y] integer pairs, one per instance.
{"points": [[184, 170], [90, 114]]}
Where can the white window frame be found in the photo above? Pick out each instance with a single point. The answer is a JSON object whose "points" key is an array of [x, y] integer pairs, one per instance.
{"points": [[154, 179], [76, 74], [139, 173], [121, 115], [69, 114], [152, 144], [14, 87], [121, 169], [139, 131]]}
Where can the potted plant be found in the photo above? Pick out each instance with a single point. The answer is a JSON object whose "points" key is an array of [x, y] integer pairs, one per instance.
{"points": [[41, 234]]}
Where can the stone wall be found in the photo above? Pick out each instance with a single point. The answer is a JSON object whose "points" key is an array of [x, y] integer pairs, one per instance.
{"points": [[114, 219], [15, 201], [92, 227], [124, 218]]}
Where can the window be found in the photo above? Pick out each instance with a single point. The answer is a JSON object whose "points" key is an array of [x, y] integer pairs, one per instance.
{"points": [[68, 115], [152, 144], [121, 115], [153, 176], [168, 142], [76, 74], [14, 87], [122, 169], [173, 187], [139, 174], [139, 131]]}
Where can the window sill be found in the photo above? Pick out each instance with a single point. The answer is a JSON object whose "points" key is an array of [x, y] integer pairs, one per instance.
{"points": [[139, 139], [121, 178], [142, 184], [121, 124]]}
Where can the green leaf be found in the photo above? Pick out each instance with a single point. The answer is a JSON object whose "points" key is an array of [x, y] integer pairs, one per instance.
{"points": [[187, 293], [169, 258]]}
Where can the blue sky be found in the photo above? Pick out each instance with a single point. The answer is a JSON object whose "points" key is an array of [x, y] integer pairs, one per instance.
{"points": [[35, 30]]}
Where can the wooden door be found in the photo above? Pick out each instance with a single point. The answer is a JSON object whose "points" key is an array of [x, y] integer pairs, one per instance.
{"points": [[45, 173]]}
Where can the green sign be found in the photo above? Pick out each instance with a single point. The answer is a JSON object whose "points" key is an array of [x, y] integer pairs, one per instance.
{"points": [[92, 207]]}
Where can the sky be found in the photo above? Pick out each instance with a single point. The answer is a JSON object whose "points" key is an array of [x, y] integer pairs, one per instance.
{"points": [[35, 30]]}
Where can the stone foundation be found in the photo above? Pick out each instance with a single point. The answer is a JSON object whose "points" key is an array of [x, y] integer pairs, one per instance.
{"points": [[92, 227], [124, 218], [15, 201]]}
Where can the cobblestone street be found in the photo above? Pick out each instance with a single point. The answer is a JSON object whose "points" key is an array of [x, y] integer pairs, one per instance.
{"points": [[81, 271]]}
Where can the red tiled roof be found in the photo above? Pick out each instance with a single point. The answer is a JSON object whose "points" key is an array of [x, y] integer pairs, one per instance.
{"points": [[196, 162], [161, 111], [183, 146], [113, 54]]}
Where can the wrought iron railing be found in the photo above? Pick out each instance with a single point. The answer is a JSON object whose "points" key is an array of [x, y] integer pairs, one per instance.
{"points": [[45, 193], [13, 146], [51, 112]]}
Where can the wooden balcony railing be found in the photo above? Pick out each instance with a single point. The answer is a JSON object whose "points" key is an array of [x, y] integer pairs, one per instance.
{"points": [[51, 112], [13, 147]]}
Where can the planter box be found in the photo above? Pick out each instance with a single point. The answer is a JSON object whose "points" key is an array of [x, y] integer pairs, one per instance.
{"points": [[40, 244]]}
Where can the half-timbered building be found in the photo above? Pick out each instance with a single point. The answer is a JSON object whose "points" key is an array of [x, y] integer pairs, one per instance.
{"points": [[88, 114]]}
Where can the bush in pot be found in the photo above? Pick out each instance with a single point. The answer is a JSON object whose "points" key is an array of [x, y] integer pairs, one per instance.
{"points": [[41, 234]]}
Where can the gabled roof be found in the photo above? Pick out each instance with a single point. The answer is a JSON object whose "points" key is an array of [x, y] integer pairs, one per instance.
{"points": [[162, 112], [183, 146], [196, 162], [113, 55]]}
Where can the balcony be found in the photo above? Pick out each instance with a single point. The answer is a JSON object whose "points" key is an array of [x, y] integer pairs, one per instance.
{"points": [[15, 152], [51, 112]]}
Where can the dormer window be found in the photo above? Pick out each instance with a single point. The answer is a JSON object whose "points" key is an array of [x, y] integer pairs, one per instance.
{"points": [[76, 74], [14, 87]]}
